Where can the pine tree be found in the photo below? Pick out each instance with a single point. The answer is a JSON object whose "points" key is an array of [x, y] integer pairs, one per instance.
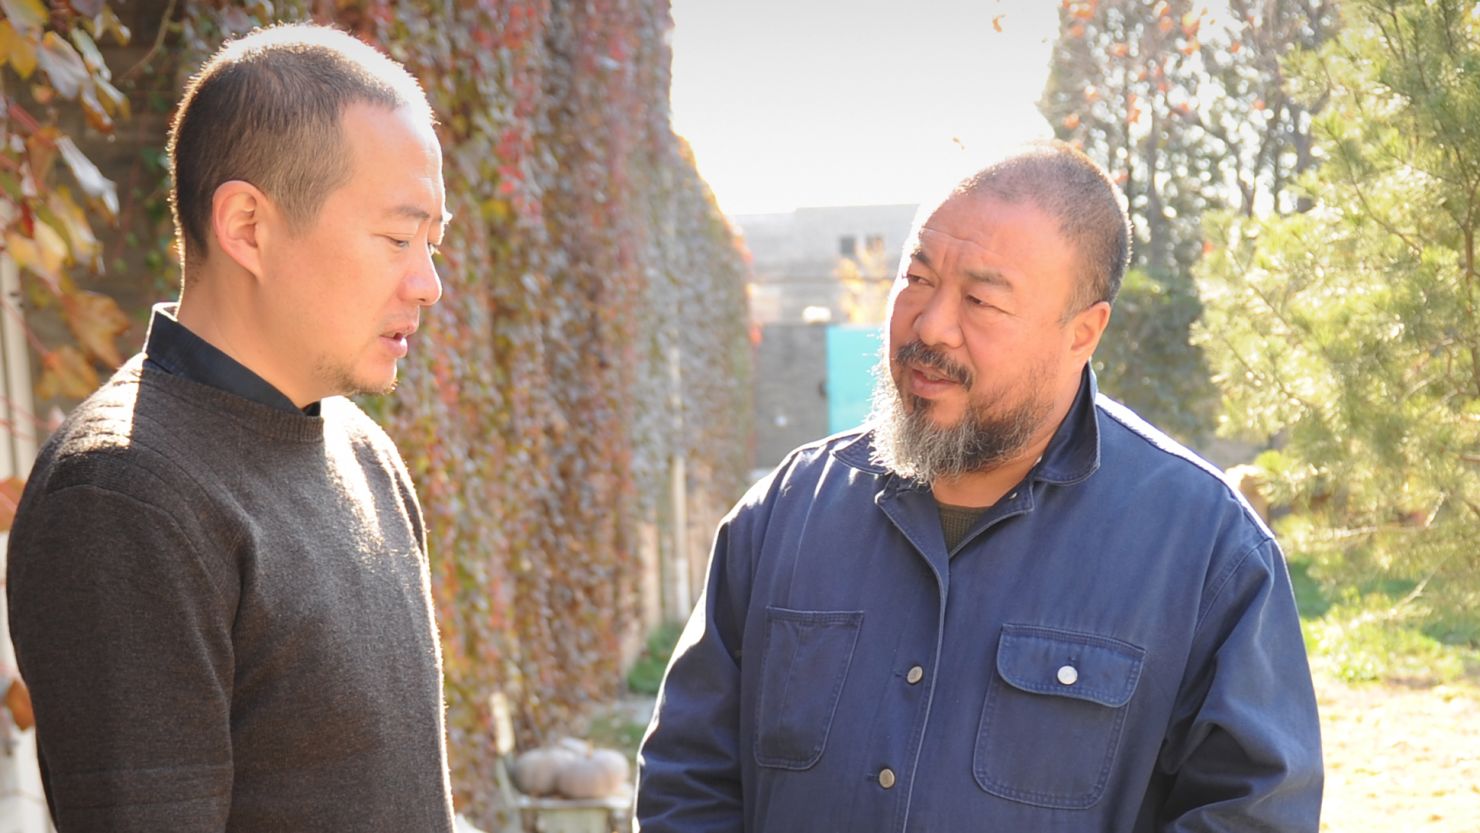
{"points": [[1349, 331]]}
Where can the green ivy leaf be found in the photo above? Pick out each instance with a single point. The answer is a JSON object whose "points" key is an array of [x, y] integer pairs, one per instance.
{"points": [[11, 186]]}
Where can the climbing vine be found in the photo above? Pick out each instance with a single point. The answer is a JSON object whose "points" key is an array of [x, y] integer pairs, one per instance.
{"points": [[53, 66], [589, 269]]}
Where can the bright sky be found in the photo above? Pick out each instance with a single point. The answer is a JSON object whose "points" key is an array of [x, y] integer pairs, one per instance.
{"points": [[791, 103]]}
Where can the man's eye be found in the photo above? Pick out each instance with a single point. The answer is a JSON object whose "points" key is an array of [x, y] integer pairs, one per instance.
{"points": [[978, 303], [398, 242]]}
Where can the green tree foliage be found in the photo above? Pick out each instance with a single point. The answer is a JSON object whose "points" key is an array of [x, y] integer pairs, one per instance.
{"points": [[1189, 114], [1350, 332], [1145, 360]]}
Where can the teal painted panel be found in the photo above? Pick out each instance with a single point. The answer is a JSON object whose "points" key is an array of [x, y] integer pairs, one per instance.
{"points": [[852, 352]]}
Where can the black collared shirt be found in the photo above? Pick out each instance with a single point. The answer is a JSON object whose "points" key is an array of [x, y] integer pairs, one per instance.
{"points": [[172, 348]]}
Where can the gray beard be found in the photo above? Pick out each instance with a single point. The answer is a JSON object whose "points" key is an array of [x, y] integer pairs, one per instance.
{"points": [[909, 444]]}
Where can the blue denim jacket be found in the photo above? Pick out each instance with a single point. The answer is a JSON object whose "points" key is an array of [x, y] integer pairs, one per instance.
{"points": [[1113, 647]]}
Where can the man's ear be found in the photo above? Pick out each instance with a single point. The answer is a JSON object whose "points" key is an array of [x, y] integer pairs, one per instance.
{"points": [[238, 212], [1087, 326]]}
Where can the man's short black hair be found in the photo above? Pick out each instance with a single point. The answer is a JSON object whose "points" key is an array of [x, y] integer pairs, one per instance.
{"points": [[266, 109]]}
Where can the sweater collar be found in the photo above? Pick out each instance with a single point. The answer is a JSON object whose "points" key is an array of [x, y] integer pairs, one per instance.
{"points": [[264, 420], [171, 346]]}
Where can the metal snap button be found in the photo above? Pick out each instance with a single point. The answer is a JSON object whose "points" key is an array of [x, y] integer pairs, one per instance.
{"points": [[915, 675], [886, 777], [1068, 675]]}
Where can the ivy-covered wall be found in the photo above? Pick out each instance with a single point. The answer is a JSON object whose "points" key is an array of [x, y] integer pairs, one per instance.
{"points": [[592, 331], [582, 388]]}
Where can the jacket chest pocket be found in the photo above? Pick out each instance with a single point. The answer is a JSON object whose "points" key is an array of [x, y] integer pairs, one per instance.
{"points": [[804, 663], [1053, 716]]}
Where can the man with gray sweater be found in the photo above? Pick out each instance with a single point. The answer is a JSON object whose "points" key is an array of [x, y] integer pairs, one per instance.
{"points": [[218, 580]]}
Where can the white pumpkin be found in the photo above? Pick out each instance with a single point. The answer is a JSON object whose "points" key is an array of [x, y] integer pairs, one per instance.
{"points": [[582, 778], [601, 773], [537, 772], [617, 767]]}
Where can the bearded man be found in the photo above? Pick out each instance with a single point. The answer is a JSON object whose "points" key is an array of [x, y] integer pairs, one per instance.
{"points": [[1007, 602]]}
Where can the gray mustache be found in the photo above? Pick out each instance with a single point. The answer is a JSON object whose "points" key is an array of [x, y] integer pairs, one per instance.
{"points": [[916, 353]]}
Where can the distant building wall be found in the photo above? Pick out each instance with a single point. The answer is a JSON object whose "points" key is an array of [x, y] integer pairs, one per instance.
{"points": [[790, 389], [795, 257]]}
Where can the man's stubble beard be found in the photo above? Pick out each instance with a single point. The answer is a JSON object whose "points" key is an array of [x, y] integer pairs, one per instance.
{"points": [[341, 380], [988, 433]]}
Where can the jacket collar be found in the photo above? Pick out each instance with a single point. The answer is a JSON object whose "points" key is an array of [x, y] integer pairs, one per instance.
{"points": [[1072, 455]]}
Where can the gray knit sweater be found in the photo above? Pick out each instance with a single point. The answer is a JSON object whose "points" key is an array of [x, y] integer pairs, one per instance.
{"points": [[223, 613]]}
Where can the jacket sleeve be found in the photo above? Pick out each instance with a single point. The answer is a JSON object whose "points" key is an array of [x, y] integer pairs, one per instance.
{"points": [[688, 768], [1244, 749], [124, 638]]}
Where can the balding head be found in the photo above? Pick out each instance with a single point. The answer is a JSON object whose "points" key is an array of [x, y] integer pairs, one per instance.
{"points": [[1069, 187]]}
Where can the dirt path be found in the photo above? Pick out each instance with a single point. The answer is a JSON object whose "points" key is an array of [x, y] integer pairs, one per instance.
{"points": [[1400, 760]]}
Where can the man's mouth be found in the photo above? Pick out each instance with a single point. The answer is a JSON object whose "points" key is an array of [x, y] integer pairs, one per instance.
{"points": [[400, 332], [396, 338], [932, 376], [931, 367]]}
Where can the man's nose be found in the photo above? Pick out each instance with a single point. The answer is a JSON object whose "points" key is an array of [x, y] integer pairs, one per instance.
{"points": [[424, 285], [939, 323]]}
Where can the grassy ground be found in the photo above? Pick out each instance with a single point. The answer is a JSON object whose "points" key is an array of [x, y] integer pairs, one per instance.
{"points": [[1383, 632], [1399, 692]]}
